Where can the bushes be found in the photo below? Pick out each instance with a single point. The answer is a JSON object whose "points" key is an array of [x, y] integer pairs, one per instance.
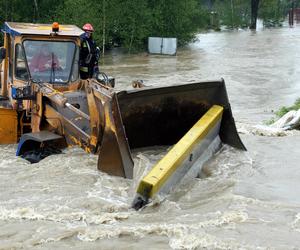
{"points": [[234, 13], [130, 22], [127, 22]]}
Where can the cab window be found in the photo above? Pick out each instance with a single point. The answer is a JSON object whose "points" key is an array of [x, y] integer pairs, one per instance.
{"points": [[51, 61], [75, 70], [20, 66]]}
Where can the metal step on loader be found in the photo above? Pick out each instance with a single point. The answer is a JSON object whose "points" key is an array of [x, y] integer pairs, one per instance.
{"points": [[48, 109]]}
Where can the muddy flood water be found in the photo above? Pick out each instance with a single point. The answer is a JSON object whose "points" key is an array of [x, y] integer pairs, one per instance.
{"points": [[245, 200]]}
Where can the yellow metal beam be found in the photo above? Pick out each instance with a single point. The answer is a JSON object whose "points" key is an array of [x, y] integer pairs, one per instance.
{"points": [[8, 126], [164, 169]]}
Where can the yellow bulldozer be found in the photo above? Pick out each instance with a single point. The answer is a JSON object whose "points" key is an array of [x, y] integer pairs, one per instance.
{"points": [[45, 108]]}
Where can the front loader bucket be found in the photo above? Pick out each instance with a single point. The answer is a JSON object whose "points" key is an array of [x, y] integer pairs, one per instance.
{"points": [[194, 117], [161, 116]]}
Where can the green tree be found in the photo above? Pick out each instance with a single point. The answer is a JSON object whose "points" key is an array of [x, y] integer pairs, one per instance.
{"points": [[180, 19], [131, 23], [273, 12], [233, 13]]}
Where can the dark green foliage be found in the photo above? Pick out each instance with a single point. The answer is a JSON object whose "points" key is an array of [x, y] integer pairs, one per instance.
{"points": [[132, 24], [237, 13], [272, 12], [173, 18], [234, 13], [129, 23]]}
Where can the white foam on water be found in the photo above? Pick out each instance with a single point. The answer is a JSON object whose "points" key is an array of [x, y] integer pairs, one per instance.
{"points": [[264, 130], [20, 213], [170, 230], [64, 215], [295, 225]]}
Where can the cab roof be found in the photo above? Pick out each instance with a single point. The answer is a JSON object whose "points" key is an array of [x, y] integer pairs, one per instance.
{"points": [[17, 29]]}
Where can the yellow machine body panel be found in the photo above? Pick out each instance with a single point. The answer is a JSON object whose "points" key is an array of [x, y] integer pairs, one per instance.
{"points": [[8, 126]]}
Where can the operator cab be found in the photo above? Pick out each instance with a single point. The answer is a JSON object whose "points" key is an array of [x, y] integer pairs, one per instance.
{"points": [[41, 53]]}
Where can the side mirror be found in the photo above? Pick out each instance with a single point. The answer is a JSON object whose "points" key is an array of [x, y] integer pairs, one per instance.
{"points": [[102, 78], [97, 54], [2, 53]]}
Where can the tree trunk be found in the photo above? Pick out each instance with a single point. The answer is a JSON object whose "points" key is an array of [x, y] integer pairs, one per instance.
{"points": [[254, 12], [232, 12], [103, 27], [37, 16], [131, 40]]}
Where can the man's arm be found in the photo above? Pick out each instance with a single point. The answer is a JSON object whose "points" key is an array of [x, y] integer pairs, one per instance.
{"points": [[56, 64], [34, 63], [97, 57]]}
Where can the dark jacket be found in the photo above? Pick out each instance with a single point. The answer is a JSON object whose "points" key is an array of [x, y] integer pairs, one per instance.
{"points": [[88, 57]]}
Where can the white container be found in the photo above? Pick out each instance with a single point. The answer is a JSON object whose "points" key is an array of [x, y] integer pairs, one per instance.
{"points": [[162, 45]]}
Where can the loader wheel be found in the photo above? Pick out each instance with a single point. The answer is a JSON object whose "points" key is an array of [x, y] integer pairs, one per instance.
{"points": [[36, 155]]}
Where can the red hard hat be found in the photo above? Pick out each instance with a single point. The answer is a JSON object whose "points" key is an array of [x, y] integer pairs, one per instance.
{"points": [[88, 27]]}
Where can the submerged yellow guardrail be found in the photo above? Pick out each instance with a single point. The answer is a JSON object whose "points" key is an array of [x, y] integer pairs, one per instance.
{"points": [[164, 169]]}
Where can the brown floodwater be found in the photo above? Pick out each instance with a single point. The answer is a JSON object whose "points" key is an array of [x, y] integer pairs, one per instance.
{"points": [[244, 200]]}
